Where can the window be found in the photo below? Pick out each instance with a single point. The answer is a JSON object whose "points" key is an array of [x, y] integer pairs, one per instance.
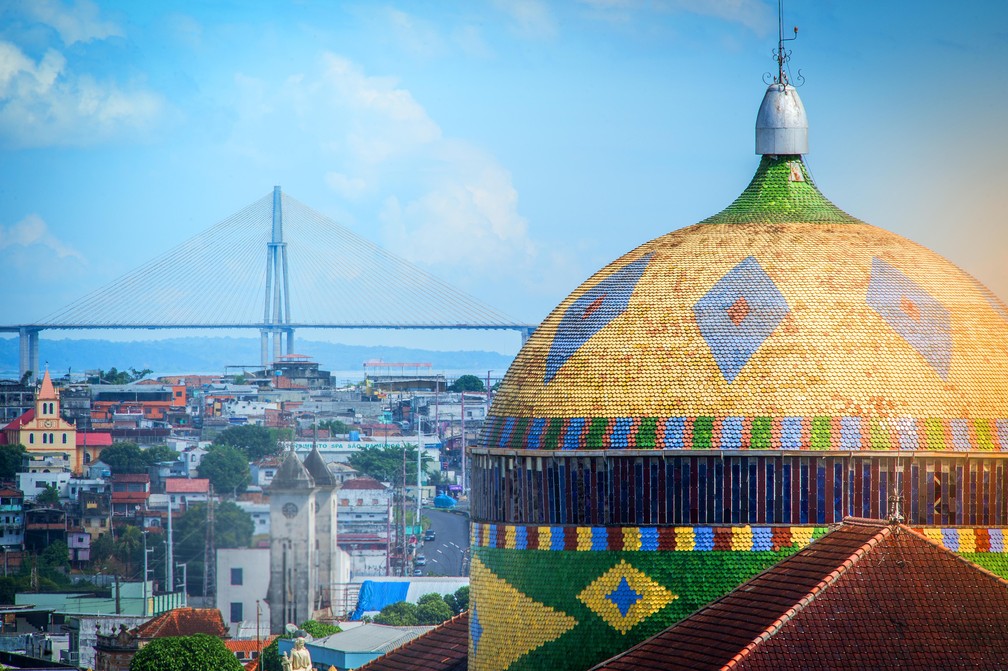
{"points": [[31, 438], [236, 611], [64, 439], [45, 438], [236, 576]]}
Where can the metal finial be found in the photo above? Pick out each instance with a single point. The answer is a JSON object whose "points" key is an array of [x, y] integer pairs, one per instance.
{"points": [[782, 55]]}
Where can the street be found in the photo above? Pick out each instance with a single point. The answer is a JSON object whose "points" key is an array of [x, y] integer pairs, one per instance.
{"points": [[448, 553]]}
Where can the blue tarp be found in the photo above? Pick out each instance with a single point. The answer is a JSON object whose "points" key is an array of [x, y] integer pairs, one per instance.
{"points": [[376, 595], [444, 501]]}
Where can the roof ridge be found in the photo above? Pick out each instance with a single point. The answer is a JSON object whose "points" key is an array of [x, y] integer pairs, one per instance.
{"points": [[816, 590]]}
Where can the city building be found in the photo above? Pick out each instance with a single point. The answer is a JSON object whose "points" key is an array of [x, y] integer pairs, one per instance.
{"points": [[115, 650], [11, 519], [707, 404], [243, 576], [130, 492], [365, 526]]}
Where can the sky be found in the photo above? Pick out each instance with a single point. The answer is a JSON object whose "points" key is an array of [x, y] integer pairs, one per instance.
{"points": [[510, 147]]}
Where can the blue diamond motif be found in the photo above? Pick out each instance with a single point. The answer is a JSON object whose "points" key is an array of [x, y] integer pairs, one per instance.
{"points": [[922, 321], [738, 314], [475, 628], [624, 596], [590, 313]]}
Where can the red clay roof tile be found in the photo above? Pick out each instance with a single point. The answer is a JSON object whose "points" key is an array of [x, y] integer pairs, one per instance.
{"points": [[865, 595], [444, 648]]}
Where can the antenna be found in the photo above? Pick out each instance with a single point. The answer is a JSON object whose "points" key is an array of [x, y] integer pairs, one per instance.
{"points": [[781, 54]]}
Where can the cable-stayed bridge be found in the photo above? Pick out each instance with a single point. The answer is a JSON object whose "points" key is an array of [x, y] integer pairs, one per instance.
{"points": [[275, 266]]}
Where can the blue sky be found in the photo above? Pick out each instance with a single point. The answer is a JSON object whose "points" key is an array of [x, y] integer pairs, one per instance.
{"points": [[509, 147]]}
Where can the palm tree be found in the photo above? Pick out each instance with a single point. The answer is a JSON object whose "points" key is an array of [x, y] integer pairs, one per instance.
{"points": [[127, 545]]}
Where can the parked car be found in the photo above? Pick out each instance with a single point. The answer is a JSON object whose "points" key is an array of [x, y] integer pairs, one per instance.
{"points": [[420, 561], [418, 571]]}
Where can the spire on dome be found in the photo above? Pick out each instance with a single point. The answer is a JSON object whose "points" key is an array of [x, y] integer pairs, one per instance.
{"points": [[781, 124]]}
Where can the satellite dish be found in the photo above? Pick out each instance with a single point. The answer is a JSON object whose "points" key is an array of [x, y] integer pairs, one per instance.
{"points": [[290, 628]]}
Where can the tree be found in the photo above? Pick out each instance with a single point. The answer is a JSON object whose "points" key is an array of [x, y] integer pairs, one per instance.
{"points": [[185, 653], [125, 457], [102, 548], [227, 467], [255, 441], [399, 614], [459, 601], [385, 463], [320, 629], [335, 426], [158, 453], [55, 559], [432, 609], [128, 546], [233, 528], [467, 383], [49, 496], [10, 460], [113, 376]]}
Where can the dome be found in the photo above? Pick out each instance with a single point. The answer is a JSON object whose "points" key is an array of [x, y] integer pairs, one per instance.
{"points": [[781, 306], [712, 401]]}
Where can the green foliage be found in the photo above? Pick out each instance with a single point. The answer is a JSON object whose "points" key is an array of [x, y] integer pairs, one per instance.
{"points": [[254, 441], [10, 460], [125, 457], [114, 376], [467, 383], [158, 453], [432, 609], [55, 558], [129, 546], [385, 463], [102, 547], [185, 653], [459, 601], [233, 528], [9, 586], [227, 468], [320, 629], [335, 426], [49, 496], [399, 614]]}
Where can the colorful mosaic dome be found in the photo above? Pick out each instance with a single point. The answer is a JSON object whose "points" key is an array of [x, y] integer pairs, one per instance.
{"points": [[710, 402], [782, 310]]}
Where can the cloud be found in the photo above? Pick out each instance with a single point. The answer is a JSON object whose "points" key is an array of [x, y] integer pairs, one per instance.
{"points": [[42, 103], [529, 18], [32, 232], [79, 22]]}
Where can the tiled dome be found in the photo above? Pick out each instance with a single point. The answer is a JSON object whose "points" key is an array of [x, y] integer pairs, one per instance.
{"points": [[779, 316]]}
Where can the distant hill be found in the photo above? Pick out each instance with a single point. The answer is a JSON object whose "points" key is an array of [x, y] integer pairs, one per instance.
{"points": [[211, 355]]}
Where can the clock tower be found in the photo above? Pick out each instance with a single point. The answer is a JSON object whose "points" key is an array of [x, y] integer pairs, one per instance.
{"points": [[294, 593]]}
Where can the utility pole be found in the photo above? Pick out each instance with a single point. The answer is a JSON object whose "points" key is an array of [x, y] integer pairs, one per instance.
{"points": [[463, 447], [170, 559], [210, 551], [185, 583], [419, 444], [145, 551]]}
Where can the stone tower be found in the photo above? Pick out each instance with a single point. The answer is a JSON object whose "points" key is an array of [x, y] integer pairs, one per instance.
{"points": [[325, 525], [294, 555]]}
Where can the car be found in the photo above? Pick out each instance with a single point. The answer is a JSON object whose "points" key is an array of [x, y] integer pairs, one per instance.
{"points": [[420, 561], [418, 571], [429, 535]]}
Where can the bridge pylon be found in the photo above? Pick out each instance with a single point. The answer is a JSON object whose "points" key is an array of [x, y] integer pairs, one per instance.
{"points": [[276, 308]]}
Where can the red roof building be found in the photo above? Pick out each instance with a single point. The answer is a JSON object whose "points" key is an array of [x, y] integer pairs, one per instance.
{"points": [[444, 648], [114, 651], [867, 595]]}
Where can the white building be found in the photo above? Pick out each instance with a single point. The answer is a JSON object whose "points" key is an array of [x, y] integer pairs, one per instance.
{"points": [[365, 525], [260, 514], [243, 576]]}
